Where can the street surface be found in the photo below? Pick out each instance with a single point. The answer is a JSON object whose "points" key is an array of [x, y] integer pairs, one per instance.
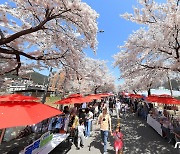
{"points": [[139, 138]]}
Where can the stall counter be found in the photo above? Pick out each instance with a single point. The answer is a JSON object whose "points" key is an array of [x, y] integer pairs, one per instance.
{"points": [[56, 140], [154, 124]]}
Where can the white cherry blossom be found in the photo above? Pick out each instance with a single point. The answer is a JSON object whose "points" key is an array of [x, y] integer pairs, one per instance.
{"points": [[43, 33]]}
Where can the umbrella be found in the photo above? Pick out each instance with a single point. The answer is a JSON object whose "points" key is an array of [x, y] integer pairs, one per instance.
{"points": [[164, 95], [173, 101], [17, 97], [75, 95], [108, 94], [73, 100], [161, 95], [157, 98], [135, 96], [19, 114], [124, 94], [162, 99], [93, 96], [104, 94], [151, 99]]}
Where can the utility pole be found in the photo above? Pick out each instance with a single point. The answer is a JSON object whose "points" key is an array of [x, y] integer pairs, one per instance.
{"points": [[47, 86]]}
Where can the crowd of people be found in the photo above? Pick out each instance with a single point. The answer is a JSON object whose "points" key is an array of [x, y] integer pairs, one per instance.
{"points": [[169, 123], [80, 119], [77, 121]]}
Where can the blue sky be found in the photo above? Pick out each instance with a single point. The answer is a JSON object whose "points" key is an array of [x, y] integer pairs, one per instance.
{"points": [[116, 29]]}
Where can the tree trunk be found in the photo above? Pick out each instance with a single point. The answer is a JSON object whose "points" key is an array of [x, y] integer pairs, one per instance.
{"points": [[149, 91], [47, 87], [95, 90], [170, 85], [134, 91]]}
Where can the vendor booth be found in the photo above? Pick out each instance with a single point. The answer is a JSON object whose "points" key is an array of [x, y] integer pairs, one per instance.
{"points": [[45, 144], [154, 124], [164, 117], [26, 126]]}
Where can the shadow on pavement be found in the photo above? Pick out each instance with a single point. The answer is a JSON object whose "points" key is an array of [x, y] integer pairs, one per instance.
{"points": [[63, 148], [96, 142], [140, 138]]}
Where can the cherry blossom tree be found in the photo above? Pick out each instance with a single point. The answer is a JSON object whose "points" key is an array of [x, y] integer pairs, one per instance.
{"points": [[43, 33], [144, 80], [92, 75], [152, 51]]}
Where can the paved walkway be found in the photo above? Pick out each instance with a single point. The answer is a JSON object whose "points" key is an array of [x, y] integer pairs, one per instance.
{"points": [[139, 138], [93, 144]]}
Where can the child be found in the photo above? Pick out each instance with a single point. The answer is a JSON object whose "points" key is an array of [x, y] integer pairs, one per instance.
{"points": [[118, 143], [81, 130]]}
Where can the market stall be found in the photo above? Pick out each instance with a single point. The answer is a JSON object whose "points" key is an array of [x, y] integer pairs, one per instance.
{"points": [[154, 124], [45, 144], [164, 118], [17, 111]]}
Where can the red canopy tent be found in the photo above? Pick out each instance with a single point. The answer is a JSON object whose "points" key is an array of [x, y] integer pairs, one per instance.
{"points": [[164, 99], [173, 102], [20, 110], [17, 97], [74, 99], [16, 113], [104, 94], [124, 94], [135, 96], [19, 114], [93, 96], [164, 95], [75, 95]]}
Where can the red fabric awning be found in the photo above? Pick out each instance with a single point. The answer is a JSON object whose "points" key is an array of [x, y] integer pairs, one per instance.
{"points": [[135, 96], [163, 99], [93, 96], [21, 114], [17, 97], [74, 100]]}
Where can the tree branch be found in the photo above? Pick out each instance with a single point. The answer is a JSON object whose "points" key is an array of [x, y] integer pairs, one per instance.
{"points": [[159, 67], [43, 57], [48, 17], [23, 32], [1, 34], [16, 68]]}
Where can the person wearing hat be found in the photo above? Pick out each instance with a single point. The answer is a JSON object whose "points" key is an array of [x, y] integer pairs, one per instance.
{"points": [[104, 120]]}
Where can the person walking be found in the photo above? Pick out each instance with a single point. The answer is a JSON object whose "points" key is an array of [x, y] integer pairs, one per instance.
{"points": [[89, 118], [82, 115], [118, 140], [96, 111], [118, 108], [104, 120], [73, 123], [124, 108], [81, 130], [111, 106]]}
